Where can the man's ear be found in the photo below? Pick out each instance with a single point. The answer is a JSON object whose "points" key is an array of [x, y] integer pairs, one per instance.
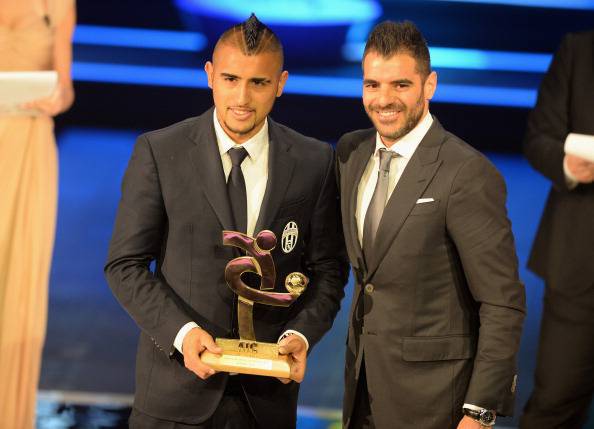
{"points": [[208, 68], [281, 83], [430, 86]]}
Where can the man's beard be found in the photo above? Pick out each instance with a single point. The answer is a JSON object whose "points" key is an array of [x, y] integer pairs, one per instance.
{"points": [[412, 119], [238, 131]]}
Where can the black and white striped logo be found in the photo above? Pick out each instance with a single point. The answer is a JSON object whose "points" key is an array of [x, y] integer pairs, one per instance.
{"points": [[290, 236]]}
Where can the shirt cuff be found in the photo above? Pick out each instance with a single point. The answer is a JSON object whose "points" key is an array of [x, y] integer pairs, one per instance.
{"points": [[473, 407], [292, 332], [179, 338], [570, 179]]}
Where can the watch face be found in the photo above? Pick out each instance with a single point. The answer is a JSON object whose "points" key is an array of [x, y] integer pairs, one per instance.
{"points": [[487, 416]]}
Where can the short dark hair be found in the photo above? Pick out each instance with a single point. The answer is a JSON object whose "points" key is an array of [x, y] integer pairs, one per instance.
{"points": [[389, 38], [252, 37]]}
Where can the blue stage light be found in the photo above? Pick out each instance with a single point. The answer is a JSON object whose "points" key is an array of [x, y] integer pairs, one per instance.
{"points": [[471, 59], [139, 38], [474, 59], [485, 95], [553, 4], [139, 75], [297, 84], [293, 12]]}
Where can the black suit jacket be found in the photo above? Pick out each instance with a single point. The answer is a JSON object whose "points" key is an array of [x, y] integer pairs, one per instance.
{"points": [[563, 250], [438, 307], [173, 209]]}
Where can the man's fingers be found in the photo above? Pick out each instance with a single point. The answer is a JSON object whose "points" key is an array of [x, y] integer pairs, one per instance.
{"points": [[199, 368], [298, 370], [209, 343], [584, 176], [576, 160], [286, 349], [195, 342], [284, 380], [291, 345], [203, 371], [295, 348], [191, 349]]}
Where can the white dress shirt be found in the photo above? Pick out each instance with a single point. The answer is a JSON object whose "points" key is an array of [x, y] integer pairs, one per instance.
{"points": [[254, 167], [405, 148], [255, 173]]}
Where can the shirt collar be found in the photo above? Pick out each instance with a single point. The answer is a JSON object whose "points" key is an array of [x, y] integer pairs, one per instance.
{"points": [[407, 144], [254, 146]]}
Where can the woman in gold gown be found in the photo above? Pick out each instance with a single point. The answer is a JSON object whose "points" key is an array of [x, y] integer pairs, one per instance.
{"points": [[34, 35]]}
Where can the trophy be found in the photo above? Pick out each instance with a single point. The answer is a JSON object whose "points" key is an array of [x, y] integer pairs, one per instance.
{"points": [[246, 355]]}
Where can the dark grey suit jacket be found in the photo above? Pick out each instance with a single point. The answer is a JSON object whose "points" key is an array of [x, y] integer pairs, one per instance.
{"points": [[563, 250], [173, 209], [438, 307]]}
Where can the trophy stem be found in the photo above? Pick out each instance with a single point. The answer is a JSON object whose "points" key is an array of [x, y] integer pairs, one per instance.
{"points": [[245, 321]]}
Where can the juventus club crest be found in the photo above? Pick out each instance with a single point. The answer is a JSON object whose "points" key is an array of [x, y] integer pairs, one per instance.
{"points": [[290, 236]]}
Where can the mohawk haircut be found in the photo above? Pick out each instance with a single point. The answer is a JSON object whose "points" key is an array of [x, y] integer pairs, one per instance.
{"points": [[252, 37], [389, 38]]}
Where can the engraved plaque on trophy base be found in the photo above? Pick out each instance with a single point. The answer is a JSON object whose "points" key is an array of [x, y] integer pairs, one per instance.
{"points": [[248, 357]]}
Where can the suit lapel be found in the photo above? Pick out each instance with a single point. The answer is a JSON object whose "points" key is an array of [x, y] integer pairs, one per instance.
{"points": [[207, 160], [360, 159], [416, 177], [280, 170]]}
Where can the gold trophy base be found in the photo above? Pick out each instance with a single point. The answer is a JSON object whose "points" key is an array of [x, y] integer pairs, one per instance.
{"points": [[248, 357]]}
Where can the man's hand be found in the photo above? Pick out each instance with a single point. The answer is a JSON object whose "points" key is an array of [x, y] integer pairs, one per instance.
{"points": [[195, 342], [468, 423], [580, 168], [296, 348]]}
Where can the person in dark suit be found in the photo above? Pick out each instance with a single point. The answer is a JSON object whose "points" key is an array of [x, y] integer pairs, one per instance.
{"points": [[437, 309], [563, 251], [232, 168]]}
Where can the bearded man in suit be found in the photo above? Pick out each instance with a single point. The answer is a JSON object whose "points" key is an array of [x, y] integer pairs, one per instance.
{"points": [[438, 308], [232, 168]]}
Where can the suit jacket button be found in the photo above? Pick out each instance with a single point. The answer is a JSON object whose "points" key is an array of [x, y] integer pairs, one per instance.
{"points": [[369, 288]]}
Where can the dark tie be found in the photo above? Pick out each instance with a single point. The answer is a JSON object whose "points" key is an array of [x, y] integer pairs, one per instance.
{"points": [[378, 201], [236, 189]]}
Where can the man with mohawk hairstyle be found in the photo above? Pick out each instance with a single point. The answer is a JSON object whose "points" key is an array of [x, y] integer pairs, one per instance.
{"points": [[253, 31], [232, 168]]}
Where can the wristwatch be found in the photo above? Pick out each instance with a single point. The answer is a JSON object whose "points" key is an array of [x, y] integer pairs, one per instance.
{"points": [[483, 416]]}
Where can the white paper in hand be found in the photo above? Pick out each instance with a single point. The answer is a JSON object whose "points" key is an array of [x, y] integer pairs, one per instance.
{"points": [[581, 145], [17, 88]]}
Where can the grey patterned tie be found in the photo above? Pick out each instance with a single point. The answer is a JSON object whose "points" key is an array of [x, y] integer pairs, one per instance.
{"points": [[378, 201]]}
